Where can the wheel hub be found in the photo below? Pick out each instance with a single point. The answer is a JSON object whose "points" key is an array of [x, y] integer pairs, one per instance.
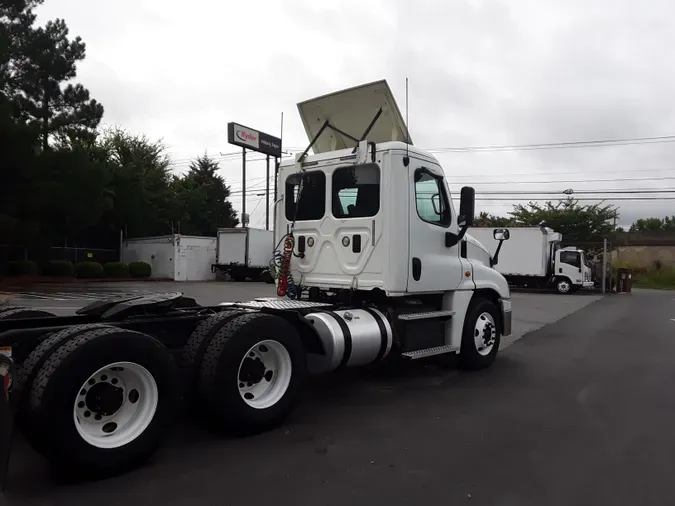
{"points": [[264, 374], [485, 334], [104, 399], [115, 405], [488, 334], [252, 371]]}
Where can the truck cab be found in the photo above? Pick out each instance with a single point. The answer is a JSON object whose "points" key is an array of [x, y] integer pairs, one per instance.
{"points": [[571, 269], [373, 221]]}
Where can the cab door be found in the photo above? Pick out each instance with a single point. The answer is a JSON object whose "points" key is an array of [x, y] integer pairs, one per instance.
{"points": [[569, 265], [432, 267]]}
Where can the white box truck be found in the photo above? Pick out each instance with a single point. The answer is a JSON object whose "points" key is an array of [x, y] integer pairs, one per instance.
{"points": [[535, 259], [244, 253]]}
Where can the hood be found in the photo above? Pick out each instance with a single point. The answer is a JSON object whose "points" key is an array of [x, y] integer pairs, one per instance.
{"points": [[472, 240], [352, 110]]}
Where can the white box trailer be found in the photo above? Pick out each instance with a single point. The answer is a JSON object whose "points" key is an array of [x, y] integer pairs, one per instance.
{"points": [[175, 256], [534, 258], [244, 253]]}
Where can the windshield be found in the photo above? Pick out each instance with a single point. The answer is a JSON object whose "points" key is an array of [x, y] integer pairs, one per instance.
{"points": [[585, 260]]}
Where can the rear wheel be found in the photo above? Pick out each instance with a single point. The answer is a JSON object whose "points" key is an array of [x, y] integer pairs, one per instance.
{"points": [[266, 276], [481, 335], [23, 312], [105, 400], [252, 373], [193, 353], [26, 375]]}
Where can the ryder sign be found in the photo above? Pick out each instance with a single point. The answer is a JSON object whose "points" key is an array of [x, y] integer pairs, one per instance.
{"points": [[246, 137]]}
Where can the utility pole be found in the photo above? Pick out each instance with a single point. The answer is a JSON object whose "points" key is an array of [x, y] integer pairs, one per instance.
{"points": [[243, 187], [604, 264], [267, 194]]}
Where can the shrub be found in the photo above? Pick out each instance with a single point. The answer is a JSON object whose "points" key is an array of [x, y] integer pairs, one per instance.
{"points": [[61, 268], [89, 270], [116, 269], [22, 268], [140, 269]]}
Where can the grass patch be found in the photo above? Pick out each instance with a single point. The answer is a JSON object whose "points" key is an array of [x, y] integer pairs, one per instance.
{"points": [[659, 276], [663, 279]]}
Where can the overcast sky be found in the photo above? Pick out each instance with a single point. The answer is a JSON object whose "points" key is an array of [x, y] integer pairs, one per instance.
{"points": [[482, 73]]}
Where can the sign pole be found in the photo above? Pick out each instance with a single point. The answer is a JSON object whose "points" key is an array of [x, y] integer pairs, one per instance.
{"points": [[267, 194], [243, 187]]}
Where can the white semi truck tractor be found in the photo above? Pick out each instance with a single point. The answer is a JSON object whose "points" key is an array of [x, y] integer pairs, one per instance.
{"points": [[370, 266]]}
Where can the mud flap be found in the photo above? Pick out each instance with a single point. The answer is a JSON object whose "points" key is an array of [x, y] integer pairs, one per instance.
{"points": [[6, 417]]}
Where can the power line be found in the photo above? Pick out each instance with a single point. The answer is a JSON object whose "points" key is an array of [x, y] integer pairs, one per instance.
{"points": [[577, 192], [546, 174], [559, 145], [494, 147], [631, 179], [513, 199]]}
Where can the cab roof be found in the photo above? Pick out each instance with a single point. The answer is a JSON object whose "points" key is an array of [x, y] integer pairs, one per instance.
{"points": [[346, 154]]}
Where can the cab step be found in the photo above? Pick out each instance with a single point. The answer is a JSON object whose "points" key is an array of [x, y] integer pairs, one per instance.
{"points": [[427, 315], [429, 352]]}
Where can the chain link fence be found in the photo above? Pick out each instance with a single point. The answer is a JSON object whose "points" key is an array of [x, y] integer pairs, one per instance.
{"points": [[41, 256]]}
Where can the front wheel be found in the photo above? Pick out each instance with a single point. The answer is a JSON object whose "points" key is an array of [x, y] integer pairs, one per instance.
{"points": [[563, 286], [481, 335]]}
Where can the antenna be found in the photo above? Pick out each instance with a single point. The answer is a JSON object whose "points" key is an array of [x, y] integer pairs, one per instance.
{"points": [[406, 160]]}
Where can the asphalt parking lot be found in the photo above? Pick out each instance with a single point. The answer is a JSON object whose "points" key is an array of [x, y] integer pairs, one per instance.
{"points": [[530, 311], [571, 413]]}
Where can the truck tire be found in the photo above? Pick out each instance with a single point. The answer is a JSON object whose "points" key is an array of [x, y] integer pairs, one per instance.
{"points": [[4, 308], [24, 312], [563, 286], [481, 335], [266, 276], [252, 373], [26, 375], [193, 353], [105, 400]]}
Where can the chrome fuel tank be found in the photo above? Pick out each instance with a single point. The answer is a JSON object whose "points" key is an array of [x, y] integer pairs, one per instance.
{"points": [[350, 338]]}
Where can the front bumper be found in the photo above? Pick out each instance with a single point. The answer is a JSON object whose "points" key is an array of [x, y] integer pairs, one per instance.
{"points": [[506, 317], [588, 284]]}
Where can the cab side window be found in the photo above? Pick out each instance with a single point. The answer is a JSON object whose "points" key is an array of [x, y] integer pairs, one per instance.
{"points": [[431, 199]]}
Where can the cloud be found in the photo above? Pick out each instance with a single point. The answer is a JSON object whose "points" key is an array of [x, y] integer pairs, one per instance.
{"points": [[481, 73]]}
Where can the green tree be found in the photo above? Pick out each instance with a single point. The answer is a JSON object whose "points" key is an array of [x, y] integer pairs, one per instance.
{"points": [[16, 19], [138, 182], [666, 224], [38, 77], [576, 222], [17, 174], [72, 186], [202, 199], [485, 219]]}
